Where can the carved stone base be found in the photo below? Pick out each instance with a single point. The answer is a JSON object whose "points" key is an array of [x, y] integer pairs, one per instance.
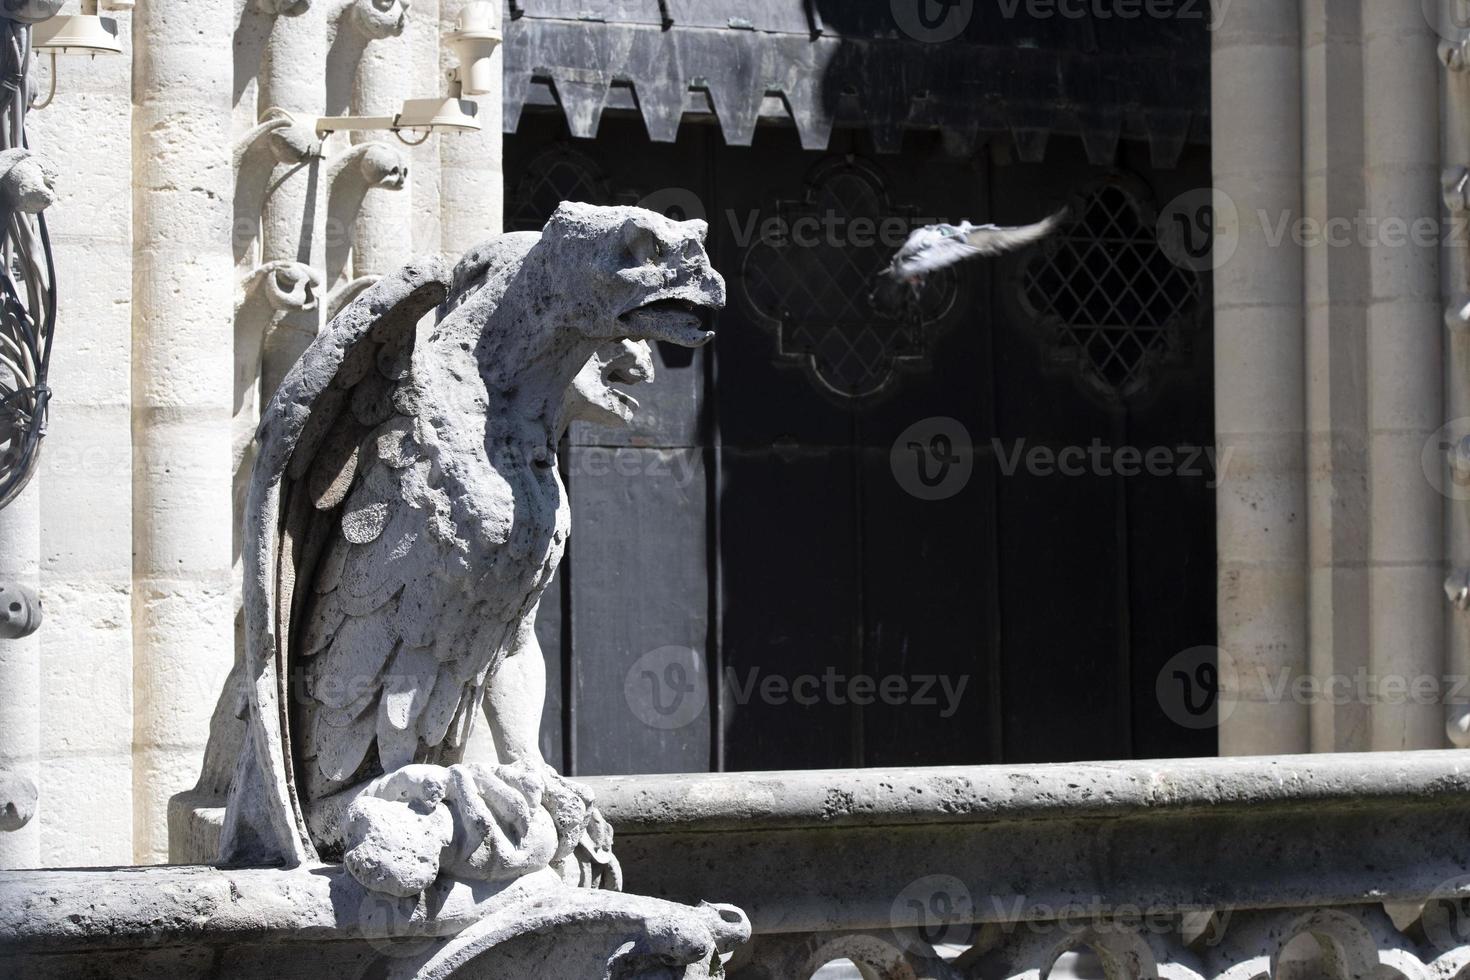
{"points": [[313, 922]]}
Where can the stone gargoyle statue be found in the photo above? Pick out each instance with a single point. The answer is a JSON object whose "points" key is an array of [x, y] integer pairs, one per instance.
{"points": [[404, 515]]}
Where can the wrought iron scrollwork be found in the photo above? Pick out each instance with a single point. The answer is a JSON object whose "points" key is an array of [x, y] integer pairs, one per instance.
{"points": [[27, 279]]}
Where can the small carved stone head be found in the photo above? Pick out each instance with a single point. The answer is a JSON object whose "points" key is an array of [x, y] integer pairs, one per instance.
{"points": [[384, 166], [379, 19], [291, 286], [592, 397], [27, 182]]}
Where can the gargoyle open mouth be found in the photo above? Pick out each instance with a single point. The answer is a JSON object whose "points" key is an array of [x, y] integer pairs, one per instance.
{"points": [[669, 318], [622, 372]]}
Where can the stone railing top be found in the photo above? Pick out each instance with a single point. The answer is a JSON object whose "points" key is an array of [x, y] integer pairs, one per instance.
{"points": [[130, 908], [716, 802]]}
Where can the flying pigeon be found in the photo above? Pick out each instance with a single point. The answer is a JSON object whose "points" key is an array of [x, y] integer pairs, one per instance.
{"points": [[936, 247]]}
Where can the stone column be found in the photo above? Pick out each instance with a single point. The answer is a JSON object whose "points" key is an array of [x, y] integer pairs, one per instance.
{"points": [[293, 225], [472, 197], [20, 672], [1256, 72], [87, 507], [1455, 280], [1405, 371], [182, 367], [1336, 380], [384, 79]]}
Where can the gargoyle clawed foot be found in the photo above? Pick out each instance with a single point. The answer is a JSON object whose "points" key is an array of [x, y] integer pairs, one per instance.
{"points": [[480, 823]]}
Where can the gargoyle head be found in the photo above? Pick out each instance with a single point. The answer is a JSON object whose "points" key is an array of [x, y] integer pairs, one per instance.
{"points": [[592, 397], [383, 166], [640, 275], [380, 19], [27, 182]]}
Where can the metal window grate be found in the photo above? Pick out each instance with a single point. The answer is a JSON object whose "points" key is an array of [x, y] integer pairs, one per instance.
{"points": [[1116, 301], [813, 282], [552, 176]]}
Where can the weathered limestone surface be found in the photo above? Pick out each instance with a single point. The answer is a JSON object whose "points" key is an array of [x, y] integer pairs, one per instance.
{"points": [[1013, 866], [192, 922], [398, 562], [1182, 870]]}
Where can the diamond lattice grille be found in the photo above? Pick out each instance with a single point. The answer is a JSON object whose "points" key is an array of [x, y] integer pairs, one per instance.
{"points": [[554, 176], [1117, 300], [815, 281]]}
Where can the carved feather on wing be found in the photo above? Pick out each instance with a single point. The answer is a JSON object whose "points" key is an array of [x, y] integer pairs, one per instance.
{"points": [[325, 523]]}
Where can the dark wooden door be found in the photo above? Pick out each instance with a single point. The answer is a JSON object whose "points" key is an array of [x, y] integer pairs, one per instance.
{"points": [[829, 539]]}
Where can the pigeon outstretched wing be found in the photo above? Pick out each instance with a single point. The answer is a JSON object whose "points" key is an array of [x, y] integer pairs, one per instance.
{"points": [[936, 247]]}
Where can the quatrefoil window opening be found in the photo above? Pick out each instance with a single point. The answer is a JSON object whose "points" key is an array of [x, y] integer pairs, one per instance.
{"points": [[1116, 304], [814, 287]]}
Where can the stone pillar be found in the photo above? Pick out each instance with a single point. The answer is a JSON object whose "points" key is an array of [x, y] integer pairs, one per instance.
{"points": [[1405, 372], [1256, 74], [182, 367], [87, 508], [384, 79], [20, 672], [472, 197], [1336, 378], [1455, 279], [293, 227]]}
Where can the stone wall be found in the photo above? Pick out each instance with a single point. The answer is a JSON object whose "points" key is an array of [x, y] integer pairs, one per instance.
{"points": [[134, 553]]}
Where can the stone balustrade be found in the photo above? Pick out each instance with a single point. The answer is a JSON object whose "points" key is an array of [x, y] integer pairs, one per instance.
{"points": [[1350, 866], [1178, 869]]}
